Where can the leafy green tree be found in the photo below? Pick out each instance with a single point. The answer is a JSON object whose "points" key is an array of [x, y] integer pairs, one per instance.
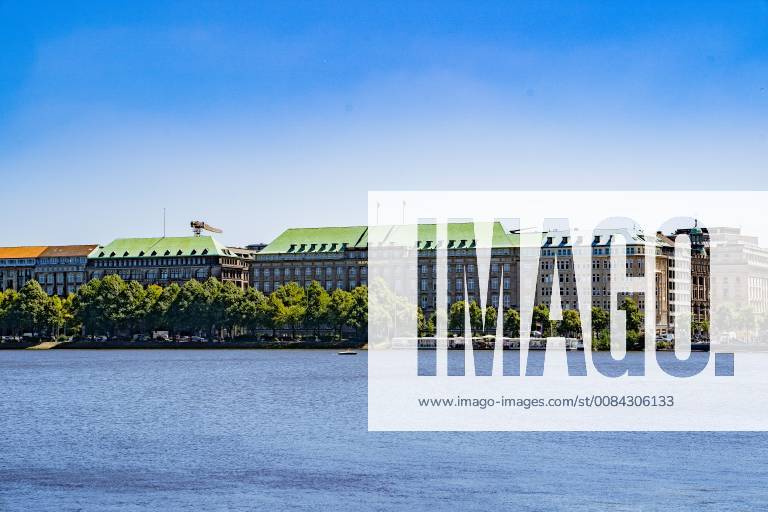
{"points": [[12, 312], [570, 325], [600, 321], [634, 323], [251, 309], [318, 301], [293, 299], [274, 313], [190, 310], [456, 316], [541, 320], [339, 309], [358, 313], [512, 323], [491, 317], [161, 314], [134, 296], [54, 316], [33, 306], [226, 307], [633, 314], [421, 322]]}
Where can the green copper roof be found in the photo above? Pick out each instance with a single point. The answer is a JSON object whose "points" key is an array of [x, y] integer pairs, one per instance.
{"points": [[318, 240], [337, 239], [460, 235], [160, 247]]}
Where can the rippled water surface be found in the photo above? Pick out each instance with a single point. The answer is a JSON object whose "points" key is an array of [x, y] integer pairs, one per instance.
{"points": [[286, 430]]}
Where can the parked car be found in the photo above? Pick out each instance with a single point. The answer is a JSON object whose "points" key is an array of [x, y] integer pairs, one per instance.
{"points": [[198, 339]]}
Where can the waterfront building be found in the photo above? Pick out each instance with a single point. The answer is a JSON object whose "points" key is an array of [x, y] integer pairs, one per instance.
{"points": [[689, 276], [741, 274], [60, 269], [166, 260], [337, 258], [17, 266], [558, 270]]}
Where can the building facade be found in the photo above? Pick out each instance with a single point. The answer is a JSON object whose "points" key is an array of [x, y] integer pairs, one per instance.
{"points": [[17, 266], [337, 258], [167, 260], [60, 269]]}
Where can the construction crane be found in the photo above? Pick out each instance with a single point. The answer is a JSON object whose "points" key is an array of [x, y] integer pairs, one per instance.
{"points": [[198, 226]]}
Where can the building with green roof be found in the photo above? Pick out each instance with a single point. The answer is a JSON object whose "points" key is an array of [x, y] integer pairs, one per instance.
{"points": [[165, 260], [337, 257]]}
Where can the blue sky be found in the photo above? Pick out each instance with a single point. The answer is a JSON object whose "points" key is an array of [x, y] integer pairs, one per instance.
{"points": [[258, 116]]}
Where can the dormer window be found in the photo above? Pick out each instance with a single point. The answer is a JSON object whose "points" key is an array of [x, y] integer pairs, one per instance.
{"points": [[167, 253], [205, 251]]}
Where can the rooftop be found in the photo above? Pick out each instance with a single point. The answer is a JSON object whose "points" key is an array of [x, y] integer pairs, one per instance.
{"points": [[21, 252], [160, 247], [64, 251], [461, 235]]}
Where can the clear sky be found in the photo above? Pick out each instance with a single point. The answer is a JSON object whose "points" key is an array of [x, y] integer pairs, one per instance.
{"points": [[257, 116]]}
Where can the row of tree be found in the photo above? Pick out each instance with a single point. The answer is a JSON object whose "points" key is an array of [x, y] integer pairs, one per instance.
{"points": [[114, 307], [569, 326]]}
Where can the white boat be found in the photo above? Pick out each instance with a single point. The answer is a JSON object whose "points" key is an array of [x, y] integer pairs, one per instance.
{"points": [[347, 353]]}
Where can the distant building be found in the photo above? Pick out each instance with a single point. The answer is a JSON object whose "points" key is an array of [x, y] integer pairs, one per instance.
{"points": [[167, 260], [741, 271], [557, 253], [17, 265], [60, 270], [337, 258], [689, 277]]}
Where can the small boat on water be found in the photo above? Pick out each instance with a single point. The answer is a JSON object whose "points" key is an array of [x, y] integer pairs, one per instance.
{"points": [[347, 353]]}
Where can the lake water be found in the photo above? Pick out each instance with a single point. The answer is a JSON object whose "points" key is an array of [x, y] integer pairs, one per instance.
{"points": [[286, 430]]}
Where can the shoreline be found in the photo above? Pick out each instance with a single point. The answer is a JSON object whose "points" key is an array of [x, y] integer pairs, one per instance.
{"points": [[189, 345]]}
